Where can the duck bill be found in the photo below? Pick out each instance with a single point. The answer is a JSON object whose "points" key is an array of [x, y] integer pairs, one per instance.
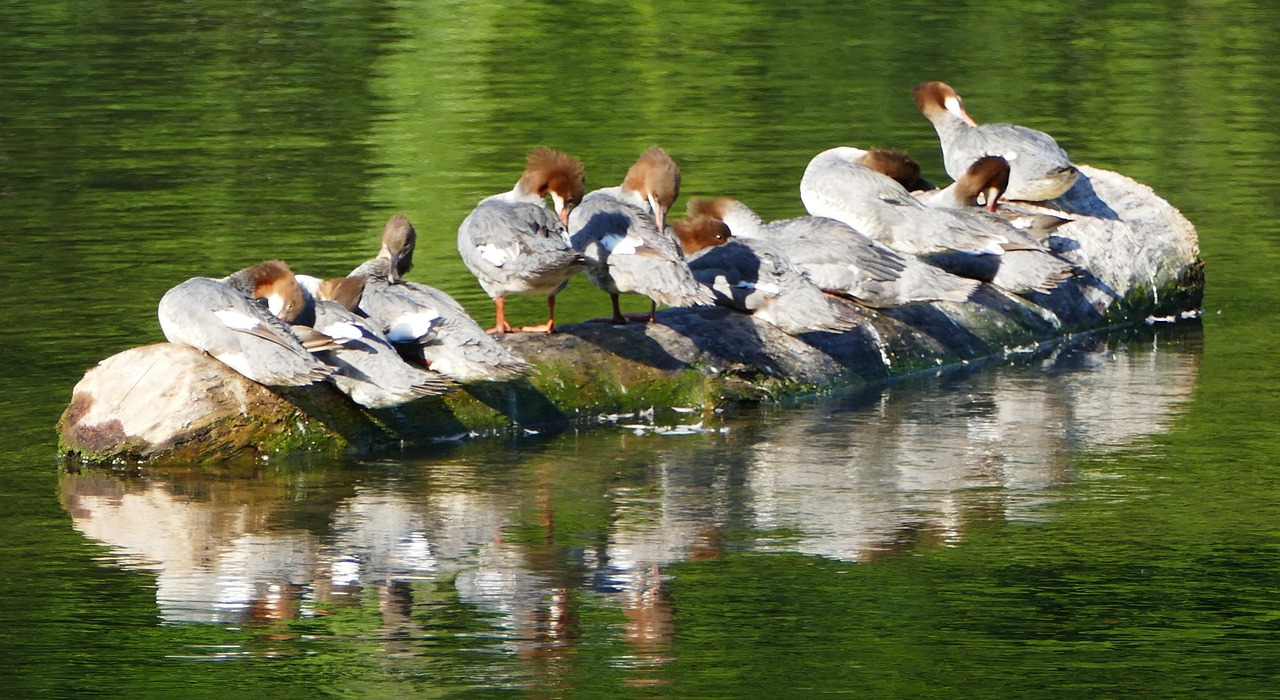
{"points": [[956, 107], [993, 198]]}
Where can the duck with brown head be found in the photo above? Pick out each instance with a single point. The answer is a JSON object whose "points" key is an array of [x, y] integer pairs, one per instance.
{"points": [[843, 183], [1027, 264], [622, 233], [983, 185], [1040, 169], [513, 244], [222, 318]]}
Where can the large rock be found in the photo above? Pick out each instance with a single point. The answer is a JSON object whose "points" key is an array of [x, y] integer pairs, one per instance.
{"points": [[1138, 255]]}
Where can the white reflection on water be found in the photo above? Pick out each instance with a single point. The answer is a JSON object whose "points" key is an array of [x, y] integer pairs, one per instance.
{"points": [[846, 478], [853, 487]]}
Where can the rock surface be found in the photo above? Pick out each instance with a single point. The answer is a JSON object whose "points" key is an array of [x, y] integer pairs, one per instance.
{"points": [[1138, 255]]}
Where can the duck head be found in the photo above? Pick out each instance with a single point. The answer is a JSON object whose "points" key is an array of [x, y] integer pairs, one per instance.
{"points": [[935, 98], [655, 177], [274, 282], [700, 231], [557, 174], [398, 240]]}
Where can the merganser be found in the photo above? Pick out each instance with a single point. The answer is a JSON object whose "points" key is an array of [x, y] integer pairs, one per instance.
{"points": [[220, 317], [514, 245], [898, 166], [367, 367], [840, 183], [1040, 168], [622, 233], [426, 323], [987, 178], [1027, 264], [756, 277], [840, 259]]}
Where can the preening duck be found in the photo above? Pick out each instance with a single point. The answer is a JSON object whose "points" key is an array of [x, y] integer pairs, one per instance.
{"points": [[757, 277], [622, 233], [222, 318], [840, 259], [424, 322], [366, 365], [1040, 168], [844, 184], [513, 244]]}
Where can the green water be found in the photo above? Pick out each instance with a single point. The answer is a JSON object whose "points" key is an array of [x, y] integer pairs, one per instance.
{"points": [[1097, 522]]}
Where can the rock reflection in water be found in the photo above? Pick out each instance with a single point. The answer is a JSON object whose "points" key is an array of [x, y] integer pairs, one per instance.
{"points": [[524, 539], [861, 479]]}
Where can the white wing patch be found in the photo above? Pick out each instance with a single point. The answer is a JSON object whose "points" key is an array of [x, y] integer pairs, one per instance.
{"points": [[992, 249], [237, 320], [342, 330], [410, 327], [621, 245], [495, 255], [764, 287]]}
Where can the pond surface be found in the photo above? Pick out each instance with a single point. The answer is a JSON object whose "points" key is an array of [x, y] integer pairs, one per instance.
{"points": [[1096, 520]]}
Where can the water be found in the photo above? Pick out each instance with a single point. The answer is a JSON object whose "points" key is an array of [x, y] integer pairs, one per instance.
{"points": [[1099, 521]]}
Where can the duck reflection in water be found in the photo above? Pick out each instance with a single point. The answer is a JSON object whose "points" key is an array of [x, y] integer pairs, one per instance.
{"points": [[846, 479]]}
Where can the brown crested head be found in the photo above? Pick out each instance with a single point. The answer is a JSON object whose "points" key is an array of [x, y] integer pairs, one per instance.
{"points": [[274, 281], [717, 207], [989, 176], [345, 291], [935, 98], [700, 231], [398, 240], [932, 94], [555, 173], [894, 164], [657, 178]]}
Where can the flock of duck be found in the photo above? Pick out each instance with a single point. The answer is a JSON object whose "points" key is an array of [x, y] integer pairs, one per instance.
{"points": [[877, 235]]}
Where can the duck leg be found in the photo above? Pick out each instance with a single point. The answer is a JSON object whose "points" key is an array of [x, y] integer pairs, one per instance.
{"points": [[645, 318], [550, 326], [500, 324]]}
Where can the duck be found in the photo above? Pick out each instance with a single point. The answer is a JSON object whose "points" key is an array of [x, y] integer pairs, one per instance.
{"points": [[1027, 264], [843, 183], [622, 234], [981, 187], [1041, 169], [513, 244], [898, 166], [367, 367], [841, 259], [222, 318], [756, 277], [425, 324]]}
